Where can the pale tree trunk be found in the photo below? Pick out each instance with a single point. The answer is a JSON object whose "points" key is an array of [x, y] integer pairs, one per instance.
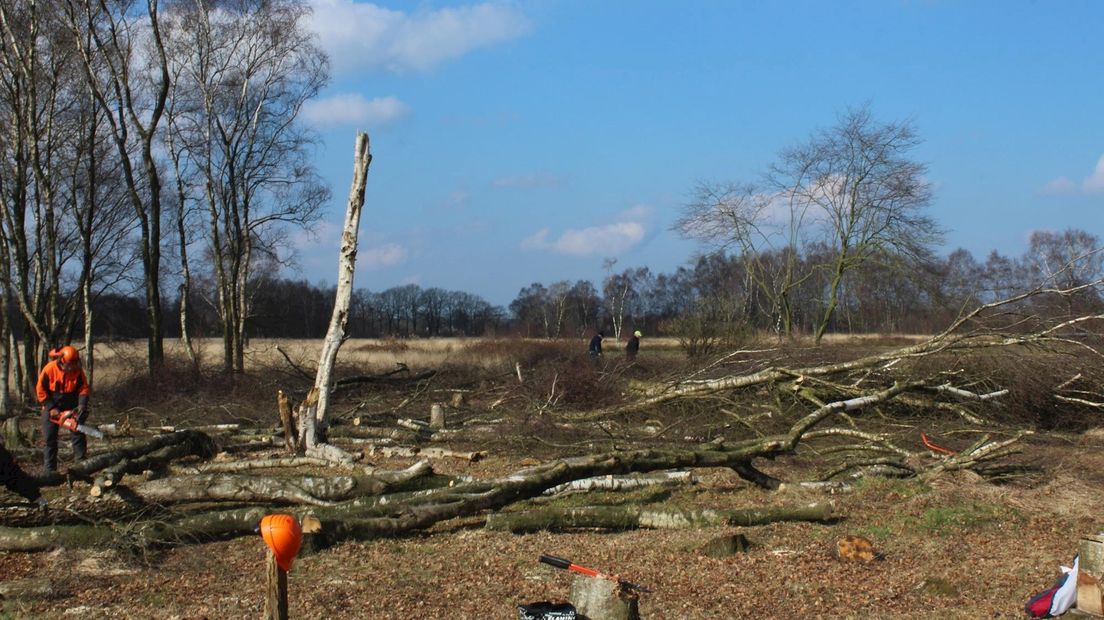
{"points": [[5, 357], [313, 422]]}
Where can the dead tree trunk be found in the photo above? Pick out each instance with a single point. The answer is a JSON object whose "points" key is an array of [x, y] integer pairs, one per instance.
{"points": [[314, 420]]}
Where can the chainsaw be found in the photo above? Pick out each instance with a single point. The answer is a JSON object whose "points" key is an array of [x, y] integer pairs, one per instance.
{"points": [[568, 565], [68, 419]]}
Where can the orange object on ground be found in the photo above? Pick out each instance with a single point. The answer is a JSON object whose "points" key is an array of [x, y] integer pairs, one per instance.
{"points": [[931, 446], [283, 535]]}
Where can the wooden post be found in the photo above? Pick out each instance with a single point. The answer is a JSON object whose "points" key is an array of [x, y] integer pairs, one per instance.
{"points": [[602, 599], [436, 416], [276, 592]]}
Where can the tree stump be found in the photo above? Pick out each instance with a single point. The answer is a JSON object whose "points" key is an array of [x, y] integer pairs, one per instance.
{"points": [[725, 546], [436, 416], [13, 435], [1090, 575], [602, 599]]}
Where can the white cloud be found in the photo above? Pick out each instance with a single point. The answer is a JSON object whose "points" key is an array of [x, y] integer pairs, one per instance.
{"points": [[1092, 184], [366, 36], [536, 179], [457, 198], [1061, 185], [536, 241], [382, 256], [593, 241], [1095, 182], [354, 109], [636, 213]]}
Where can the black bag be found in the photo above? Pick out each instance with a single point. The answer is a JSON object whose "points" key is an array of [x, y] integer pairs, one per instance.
{"points": [[545, 610]]}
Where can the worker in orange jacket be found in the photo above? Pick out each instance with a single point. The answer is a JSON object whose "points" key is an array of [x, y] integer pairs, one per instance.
{"points": [[63, 386]]}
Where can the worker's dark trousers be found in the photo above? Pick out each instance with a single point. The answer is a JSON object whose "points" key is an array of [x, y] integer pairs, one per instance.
{"points": [[50, 450]]}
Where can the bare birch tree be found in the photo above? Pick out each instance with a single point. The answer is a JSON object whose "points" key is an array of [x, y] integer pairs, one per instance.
{"points": [[314, 416], [244, 70]]}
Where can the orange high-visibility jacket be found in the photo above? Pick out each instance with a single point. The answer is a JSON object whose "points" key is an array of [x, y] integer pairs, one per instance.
{"points": [[55, 385]]}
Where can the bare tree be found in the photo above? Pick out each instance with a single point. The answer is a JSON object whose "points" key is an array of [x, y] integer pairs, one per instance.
{"points": [[851, 188], [763, 228], [865, 195], [249, 66], [126, 68]]}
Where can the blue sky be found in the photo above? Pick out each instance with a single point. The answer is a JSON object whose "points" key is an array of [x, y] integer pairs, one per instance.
{"points": [[520, 142]]}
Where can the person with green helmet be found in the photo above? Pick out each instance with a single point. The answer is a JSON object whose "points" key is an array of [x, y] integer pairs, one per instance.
{"points": [[633, 347]]}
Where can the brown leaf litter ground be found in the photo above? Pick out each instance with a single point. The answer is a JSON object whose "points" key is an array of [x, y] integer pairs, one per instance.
{"points": [[957, 547]]}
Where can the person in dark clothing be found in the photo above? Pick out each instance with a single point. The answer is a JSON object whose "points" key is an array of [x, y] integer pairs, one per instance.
{"points": [[633, 347], [596, 347], [62, 386], [17, 481]]}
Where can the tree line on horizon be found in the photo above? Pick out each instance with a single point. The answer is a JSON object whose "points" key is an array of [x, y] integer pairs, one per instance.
{"points": [[710, 297]]}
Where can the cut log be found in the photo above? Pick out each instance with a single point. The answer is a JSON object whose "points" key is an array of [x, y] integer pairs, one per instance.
{"points": [[634, 517], [315, 491], [193, 442], [374, 432], [36, 587], [239, 466], [624, 483], [429, 453], [157, 460]]}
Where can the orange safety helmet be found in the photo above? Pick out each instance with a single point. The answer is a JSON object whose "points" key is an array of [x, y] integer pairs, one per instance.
{"points": [[67, 354], [283, 535]]}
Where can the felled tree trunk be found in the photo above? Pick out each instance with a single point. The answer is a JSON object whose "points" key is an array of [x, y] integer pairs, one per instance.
{"points": [[317, 491], [310, 490], [157, 460], [183, 443], [634, 517], [625, 483]]}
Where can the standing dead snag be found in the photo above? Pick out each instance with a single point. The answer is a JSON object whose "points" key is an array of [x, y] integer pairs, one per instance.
{"points": [[313, 420]]}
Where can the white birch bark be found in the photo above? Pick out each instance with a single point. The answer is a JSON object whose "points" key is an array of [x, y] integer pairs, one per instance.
{"points": [[335, 335]]}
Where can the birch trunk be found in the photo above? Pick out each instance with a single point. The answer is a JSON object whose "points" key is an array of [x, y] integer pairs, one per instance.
{"points": [[336, 332]]}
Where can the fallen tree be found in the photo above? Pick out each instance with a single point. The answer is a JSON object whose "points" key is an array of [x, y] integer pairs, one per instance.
{"points": [[372, 516], [634, 517]]}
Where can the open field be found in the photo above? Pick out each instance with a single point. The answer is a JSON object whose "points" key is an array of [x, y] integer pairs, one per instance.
{"points": [[955, 545]]}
